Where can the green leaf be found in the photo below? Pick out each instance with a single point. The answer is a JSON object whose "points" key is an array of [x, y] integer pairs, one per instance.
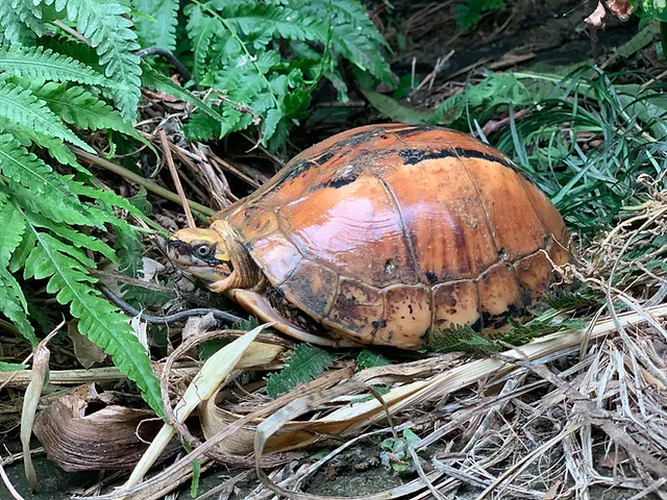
{"points": [[13, 226], [104, 24], [655, 9], [20, 106], [162, 32], [12, 367], [370, 359], [397, 112], [41, 64], [14, 306], [305, 363], [65, 267], [20, 21], [161, 83]]}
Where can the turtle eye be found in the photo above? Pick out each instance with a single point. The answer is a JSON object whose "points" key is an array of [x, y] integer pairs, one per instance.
{"points": [[203, 251]]}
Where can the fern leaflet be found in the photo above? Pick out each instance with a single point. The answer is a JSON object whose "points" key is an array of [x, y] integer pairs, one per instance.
{"points": [[65, 267], [20, 106], [304, 364], [162, 32], [42, 64], [20, 21], [104, 24]]}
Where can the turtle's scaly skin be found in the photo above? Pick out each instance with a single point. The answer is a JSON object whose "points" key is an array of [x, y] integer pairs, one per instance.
{"points": [[385, 232]]}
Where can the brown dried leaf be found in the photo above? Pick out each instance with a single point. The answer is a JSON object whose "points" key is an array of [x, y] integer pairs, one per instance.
{"points": [[621, 8], [80, 431], [86, 351], [596, 19]]}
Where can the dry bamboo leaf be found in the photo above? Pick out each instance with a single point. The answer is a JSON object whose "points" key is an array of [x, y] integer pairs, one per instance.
{"points": [[40, 365], [205, 383], [82, 431]]}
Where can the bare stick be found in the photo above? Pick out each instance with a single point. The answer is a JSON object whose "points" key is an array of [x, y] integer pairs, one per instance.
{"points": [[176, 178]]}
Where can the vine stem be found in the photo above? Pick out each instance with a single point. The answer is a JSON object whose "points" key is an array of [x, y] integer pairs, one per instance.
{"points": [[132, 177]]}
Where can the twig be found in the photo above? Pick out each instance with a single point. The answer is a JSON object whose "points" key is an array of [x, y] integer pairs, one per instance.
{"points": [[137, 179], [177, 181]]}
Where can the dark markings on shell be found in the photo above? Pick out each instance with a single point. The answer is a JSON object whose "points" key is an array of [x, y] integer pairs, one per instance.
{"points": [[379, 324], [416, 130], [360, 138], [414, 156], [294, 171], [278, 301], [431, 277], [343, 177]]}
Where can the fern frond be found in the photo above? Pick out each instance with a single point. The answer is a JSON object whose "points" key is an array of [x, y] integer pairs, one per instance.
{"points": [[46, 193], [13, 227], [201, 29], [104, 24], [79, 107], [65, 268], [20, 21], [161, 33], [304, 364], [14, 306], [20, 106], [273, 21], [42, 64]]}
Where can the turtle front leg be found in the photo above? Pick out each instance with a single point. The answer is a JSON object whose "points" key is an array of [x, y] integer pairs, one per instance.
{"points": [[260, 307], [232, 281]]}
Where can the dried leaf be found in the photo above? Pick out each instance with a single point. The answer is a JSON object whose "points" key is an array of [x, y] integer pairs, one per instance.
{"points": [[597, 17], [86, 351], [40, 367], [621, 8], [82, 431], [613, 460]]}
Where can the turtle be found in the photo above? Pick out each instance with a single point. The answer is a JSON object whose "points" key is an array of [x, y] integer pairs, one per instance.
{"points": [[381, 235]]}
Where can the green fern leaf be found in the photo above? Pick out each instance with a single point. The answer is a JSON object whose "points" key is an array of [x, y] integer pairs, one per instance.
{"points": [[14, 306], [65, 268], [161, 33], [13, 227], [201, 30], [20, 21], [104, 23], [41, 64], [79, 107], [305, 363], [21, 107], [273, 21], [12, 367], [22, 251], [46, 193]]}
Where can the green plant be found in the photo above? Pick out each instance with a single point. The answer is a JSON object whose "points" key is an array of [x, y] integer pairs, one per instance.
{"points": [[302, 365], [51, 220], [470, 13], [264, 60], [397, 450]]}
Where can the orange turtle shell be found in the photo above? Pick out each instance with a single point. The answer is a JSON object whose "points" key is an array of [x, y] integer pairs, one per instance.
{"points": [[383, 233]]}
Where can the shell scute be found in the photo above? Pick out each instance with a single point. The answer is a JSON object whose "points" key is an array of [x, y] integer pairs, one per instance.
{"points": [[445, 222], [499, 295], [455, 304], [407, 310], [311, 288], [342, 227], [357, 311]]}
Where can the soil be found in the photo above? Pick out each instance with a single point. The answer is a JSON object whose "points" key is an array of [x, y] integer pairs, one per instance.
{"points": [[551, 30]]}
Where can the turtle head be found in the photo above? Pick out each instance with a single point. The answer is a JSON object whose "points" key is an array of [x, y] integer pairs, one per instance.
{"points": [[200, 252], [216, 255]]}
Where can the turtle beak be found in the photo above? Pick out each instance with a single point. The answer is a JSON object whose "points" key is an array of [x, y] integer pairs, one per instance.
{"points": [[178, 251]]}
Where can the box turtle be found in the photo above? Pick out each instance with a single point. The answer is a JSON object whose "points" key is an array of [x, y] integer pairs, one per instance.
{"points": [[380, 235]]}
